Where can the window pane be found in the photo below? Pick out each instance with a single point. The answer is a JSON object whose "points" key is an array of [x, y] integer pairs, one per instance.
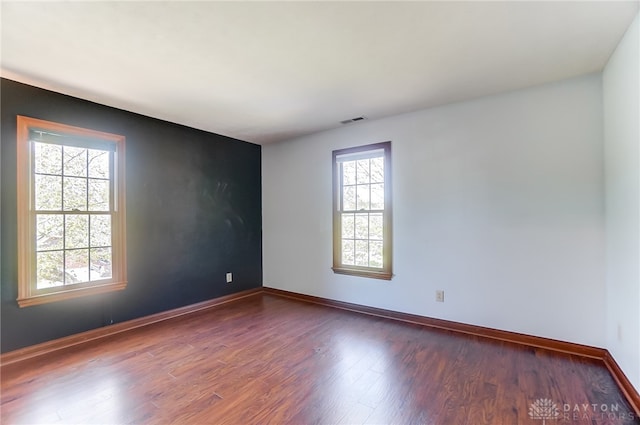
{"points": [[100, 230], [98, 195], [377, 196], [49, 232], [377, 170], [75, 161], [349, 172], [68, 186], [362, 197], [100, 264], [49, 269], [76, 266], [362, 226], [75, 194], [362, 253], [48, 158], [349, 198], [98, 164], [348, 221], [375, 254], [363, 171], [375, 226], [347, 252], [76, 231], [48, 193]]}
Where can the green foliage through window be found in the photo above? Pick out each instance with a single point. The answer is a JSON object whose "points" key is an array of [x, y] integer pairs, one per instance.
{"points": [[72, 190]]}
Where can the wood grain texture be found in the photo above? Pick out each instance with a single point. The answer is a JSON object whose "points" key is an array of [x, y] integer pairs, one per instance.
{"points": [[50, 347], [518, 338], [623, 382], [266, 359], [527, 340]]}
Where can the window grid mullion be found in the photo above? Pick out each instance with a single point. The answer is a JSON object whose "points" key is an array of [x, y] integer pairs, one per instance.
{"points": [[112, 179], [86, 172], [369, 231], [362, 238], [75, 212], [62, 175], [64, 220], [33, 215], [58, 175], [341, 194], [369, 220], [64, 249]]}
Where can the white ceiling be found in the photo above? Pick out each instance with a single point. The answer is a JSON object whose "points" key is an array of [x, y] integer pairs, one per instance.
{"points": [[270, 71]]}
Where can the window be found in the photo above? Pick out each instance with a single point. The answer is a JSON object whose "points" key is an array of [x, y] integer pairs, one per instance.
{"points": [[71, 212], [362, 211]]}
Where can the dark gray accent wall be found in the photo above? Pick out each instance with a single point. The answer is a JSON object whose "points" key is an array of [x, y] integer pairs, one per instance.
{"points": [[193, 214]]}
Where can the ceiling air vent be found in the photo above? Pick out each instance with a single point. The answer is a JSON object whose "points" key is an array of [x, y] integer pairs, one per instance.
{"points": [[356, 119]]}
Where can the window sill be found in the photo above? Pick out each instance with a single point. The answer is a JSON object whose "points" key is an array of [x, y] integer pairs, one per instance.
{"points": [[363, 273], [70, 294]]}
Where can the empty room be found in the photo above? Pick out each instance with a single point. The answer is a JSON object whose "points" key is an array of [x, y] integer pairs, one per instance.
{"points": [[244, 212]]}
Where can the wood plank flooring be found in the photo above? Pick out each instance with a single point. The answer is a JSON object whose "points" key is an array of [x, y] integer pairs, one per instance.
{"points": [[271, 360]]}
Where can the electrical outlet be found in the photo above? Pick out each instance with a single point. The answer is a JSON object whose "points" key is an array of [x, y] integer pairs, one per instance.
{"points": [[440, 296], [229, 277]]}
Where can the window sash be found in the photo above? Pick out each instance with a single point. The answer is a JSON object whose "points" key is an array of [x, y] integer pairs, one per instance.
{"points": [[354, 156], [380, 150], [44, 136], [32, 130]]}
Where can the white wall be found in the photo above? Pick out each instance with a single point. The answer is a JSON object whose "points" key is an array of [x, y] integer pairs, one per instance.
{"points": [[498, 201], [621, 93]]}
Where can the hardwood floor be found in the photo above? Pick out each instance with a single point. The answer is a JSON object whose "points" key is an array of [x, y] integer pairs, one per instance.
{"points": [[271, 360]]}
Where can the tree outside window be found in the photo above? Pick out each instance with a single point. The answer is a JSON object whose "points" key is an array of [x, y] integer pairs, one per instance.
{"points": [[71, 212]]}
